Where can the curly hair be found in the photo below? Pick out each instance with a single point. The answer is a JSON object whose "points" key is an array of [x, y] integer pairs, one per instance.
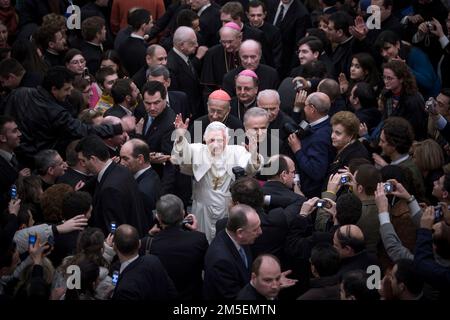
{"points": [[349, 121], [399, 133], [52, 202], [401, 71]]}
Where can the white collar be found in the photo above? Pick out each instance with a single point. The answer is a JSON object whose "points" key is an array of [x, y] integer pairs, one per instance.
{"points": [[400, 160], [140, 172], [102, 172], [6, 155], [181, 54], [134, 35], [199, 13], [126, 263], [286, 5], [318, 121]]}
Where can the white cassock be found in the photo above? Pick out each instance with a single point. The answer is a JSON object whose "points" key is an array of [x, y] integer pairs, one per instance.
{"points": [[212, 179]]}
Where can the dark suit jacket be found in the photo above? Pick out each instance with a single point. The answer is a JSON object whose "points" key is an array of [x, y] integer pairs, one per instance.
{"points": [[117, 199], [182, 254], [293, 27], [225, 272], [149, 186], [182, 79], [249, 293], [72, 177], [272, 37], [132, 54], [210, 24], [93, 56], [158, 140], [8, 175], [292, 202], [314, 158], [179, 102], [144, 279], [278, 123], [231, 122]]}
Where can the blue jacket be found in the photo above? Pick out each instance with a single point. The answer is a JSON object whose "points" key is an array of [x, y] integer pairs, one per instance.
{"points": [[314, 158], [422, 69], [424, 262]]}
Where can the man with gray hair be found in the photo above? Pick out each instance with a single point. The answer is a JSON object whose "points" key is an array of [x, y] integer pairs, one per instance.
{"points": [[211, 166], [314, 152], [177, 100], [250, 55], [49, 166], [156, 55], [184, 65], [256, 123], [270, 101]]}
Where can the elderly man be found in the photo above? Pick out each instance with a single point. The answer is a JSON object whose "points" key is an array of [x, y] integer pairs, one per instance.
{"points": [[222, 58], [184, 68], [246, 91], [270, 101], [218, 110], [250, 56], [211, 166], [314, 152]]}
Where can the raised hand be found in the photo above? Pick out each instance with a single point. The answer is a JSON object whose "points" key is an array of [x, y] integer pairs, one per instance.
{"points": [[343, 83]]}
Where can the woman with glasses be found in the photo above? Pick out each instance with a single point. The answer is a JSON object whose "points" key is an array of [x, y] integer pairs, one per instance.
{"points": [[75, 62], [401, 98]]}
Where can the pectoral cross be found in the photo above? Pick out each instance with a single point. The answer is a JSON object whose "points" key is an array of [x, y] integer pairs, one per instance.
{"points": [[216, 181]]}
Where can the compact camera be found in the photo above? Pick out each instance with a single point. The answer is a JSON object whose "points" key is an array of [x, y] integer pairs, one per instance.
{"points": [[388, 187], [298, 85], [320, 203], [344, 179], [301, 130]]}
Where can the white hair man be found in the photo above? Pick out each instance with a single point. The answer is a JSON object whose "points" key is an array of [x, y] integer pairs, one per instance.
{"points": [[211, 166]]}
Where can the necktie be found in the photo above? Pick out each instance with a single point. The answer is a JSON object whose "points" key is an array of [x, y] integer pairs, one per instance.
{"points": [[14, 162], [149, 123], [191, 67], [280, 17], [243, 256]]}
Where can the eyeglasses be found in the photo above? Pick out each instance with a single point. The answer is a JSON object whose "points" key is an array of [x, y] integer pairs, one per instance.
{"points": [[389, 78]]}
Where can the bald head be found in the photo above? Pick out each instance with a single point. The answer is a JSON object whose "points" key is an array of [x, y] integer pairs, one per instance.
{"points": [[135, 155], [126, 240], [349, 240], [185, 40], [250, 54], [320, 101], [330, 87]]}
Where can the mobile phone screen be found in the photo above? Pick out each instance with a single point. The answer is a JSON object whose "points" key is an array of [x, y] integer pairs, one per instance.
{"points": [[32, 239]]}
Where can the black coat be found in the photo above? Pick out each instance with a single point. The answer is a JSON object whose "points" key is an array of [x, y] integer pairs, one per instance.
{"points": [[132, 54], [182, 254], [272, 36], [361, 261], [72, 177], [249, 293], [45, 124], [238, 109], [279, 123], [93, 55], [371, 116], [158, 139], [144, 279], [352, 151], [116, 198], [8, 175], [210, 24], [182, 79], [149, 186], [225, 271], [291, 201], [179, 102], [293, 27], [267, 77]]}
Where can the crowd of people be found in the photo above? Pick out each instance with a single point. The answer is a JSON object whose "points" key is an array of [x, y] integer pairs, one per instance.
{"points": [[225, 150]]}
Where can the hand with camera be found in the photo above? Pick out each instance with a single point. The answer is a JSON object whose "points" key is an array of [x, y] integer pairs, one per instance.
{"points": [[380, 198], [301, 83], [38, 251], [294, 143], [190, 222], [427, 219], [334, 183], [109, 241], [437, 29], [308, 207], [330, 207], [398, 190]]}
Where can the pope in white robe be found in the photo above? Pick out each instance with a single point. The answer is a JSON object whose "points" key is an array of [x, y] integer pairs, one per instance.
{"points": [[211, 166]]}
